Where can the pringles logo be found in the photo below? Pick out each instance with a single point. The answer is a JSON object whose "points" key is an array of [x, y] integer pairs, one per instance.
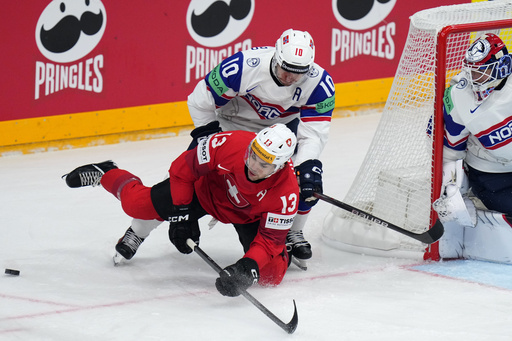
{"points": [[67, 31], [359, 16], [214, 24]]}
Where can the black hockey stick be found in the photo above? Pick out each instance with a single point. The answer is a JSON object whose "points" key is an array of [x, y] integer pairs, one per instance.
{"points": [[427, 237], [288, 327]]}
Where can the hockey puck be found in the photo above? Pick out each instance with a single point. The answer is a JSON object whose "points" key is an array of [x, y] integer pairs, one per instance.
{"points": [[12, 272]]}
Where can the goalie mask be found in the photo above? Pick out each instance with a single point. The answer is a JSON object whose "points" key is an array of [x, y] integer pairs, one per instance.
{"points": [[269, 151], [487, 63], [294, 56]]}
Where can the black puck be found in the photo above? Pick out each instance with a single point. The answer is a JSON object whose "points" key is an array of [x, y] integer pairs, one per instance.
{"points": [[12, 272]]}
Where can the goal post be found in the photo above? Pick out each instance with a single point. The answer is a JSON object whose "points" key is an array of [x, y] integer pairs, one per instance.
{"points": [[400, 176]]}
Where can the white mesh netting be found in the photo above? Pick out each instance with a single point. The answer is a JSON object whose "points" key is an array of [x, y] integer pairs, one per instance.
{"points": [[395, 180]]}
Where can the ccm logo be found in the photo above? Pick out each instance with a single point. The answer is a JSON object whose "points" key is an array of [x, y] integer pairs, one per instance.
{"points": [[177, 219]]}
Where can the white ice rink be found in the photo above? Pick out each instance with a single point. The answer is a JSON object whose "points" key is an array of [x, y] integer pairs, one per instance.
{"points": [[62, 241]]}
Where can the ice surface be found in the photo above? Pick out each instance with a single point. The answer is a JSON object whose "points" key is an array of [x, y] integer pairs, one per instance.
{"points": [[62, 241]]}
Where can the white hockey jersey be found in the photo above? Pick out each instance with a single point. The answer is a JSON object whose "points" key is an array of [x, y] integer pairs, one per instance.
{"points": [[480, 133], [241, 94]]}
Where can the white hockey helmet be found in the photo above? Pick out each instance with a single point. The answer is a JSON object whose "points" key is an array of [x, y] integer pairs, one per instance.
{"points": [[487, 63], [275, 145], [295, 51]]}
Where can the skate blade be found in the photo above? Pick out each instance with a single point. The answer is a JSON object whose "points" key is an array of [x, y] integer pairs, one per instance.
{"points": [[118, 259], [301, 264]]}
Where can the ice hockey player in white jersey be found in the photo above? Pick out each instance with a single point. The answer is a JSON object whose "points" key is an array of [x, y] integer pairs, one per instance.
{"points": [[476, 201], [256, 88]]}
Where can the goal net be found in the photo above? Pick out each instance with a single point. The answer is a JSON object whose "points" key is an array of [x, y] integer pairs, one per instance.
{"points": [[401, 174]]}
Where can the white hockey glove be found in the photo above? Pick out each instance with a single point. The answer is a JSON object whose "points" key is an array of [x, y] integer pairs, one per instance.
{"points": [[450, 206]]}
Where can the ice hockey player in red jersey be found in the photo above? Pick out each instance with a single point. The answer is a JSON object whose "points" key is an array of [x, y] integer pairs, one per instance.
{"points": [[237, 177], [257, 88]]}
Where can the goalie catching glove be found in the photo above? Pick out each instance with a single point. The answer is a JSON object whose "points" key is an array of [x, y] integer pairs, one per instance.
{"points": [[309, 177], [237, 277], [182, 227]]}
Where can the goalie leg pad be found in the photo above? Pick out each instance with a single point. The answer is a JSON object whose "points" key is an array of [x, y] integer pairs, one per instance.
{"points": [[491, 238], [452, 241]]}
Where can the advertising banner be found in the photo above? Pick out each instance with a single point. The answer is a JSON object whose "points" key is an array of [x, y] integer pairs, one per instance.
{"points": [[68, 56]]}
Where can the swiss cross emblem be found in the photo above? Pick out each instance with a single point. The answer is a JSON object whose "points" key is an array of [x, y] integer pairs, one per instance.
{"points": [[289, 142], [234, 196]]}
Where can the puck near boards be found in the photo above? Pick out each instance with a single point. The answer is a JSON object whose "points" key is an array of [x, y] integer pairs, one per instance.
{"points": [[12, 272]]}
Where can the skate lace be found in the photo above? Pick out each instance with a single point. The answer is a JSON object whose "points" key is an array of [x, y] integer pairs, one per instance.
{"points": [[92, 178], [296, 238], [131, 240]]}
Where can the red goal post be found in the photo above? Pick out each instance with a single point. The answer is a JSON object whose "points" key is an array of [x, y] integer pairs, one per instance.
{"points": [[402, 172], [441, 80]]}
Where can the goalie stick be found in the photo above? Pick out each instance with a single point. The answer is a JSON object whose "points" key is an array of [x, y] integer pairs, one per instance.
{"points": [[287, 327], [427, 237]]}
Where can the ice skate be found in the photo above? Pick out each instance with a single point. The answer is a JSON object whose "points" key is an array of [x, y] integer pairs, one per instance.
{"points": [[88, 175], [127, 246], [298, 249]]}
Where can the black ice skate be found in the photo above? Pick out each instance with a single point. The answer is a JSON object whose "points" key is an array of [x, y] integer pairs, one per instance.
{"points": [[88, 175], [298, 248], [127, 246]]}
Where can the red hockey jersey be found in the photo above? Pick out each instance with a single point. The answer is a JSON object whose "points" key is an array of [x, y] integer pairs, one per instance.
{"points": [[215, 170]]}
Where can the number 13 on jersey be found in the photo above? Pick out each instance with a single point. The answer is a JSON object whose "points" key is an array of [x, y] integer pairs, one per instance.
{"points": [[289, 204]]}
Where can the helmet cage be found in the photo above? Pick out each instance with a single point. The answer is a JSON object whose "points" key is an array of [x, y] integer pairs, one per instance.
{"points": [[486, 63], [483, 79]]}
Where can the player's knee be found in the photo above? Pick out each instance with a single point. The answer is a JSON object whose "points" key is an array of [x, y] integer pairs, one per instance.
{"points": [[273, 273]]}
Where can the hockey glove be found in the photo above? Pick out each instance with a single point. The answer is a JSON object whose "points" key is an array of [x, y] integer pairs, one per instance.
{"points": [[451, 205], [182, 227], [202, 132], [236, 277], [309, 176]]}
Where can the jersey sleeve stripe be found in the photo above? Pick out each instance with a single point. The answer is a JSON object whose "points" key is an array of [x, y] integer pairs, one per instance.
{"points": [[317, 119]]}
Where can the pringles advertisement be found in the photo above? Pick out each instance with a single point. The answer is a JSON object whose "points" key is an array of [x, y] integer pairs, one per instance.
{"points": [[66, 32], [214, 26], [81, 56], [365, 28]]}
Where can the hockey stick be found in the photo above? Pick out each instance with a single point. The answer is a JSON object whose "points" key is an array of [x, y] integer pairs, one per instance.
{"points": [[288, 327], [427, 237]]}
